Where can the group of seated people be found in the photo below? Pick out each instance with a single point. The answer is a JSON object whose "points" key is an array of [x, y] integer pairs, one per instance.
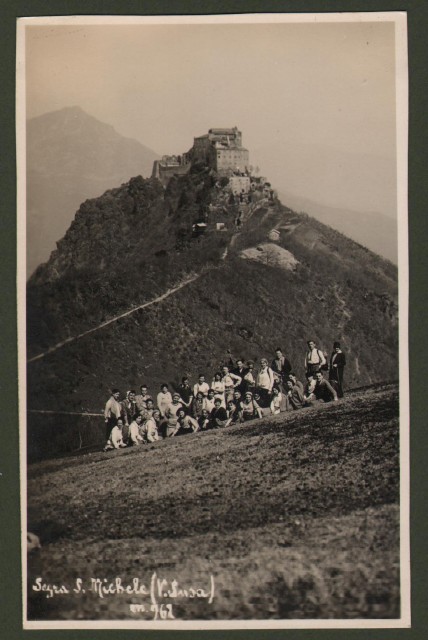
{"points": [[236, 394]]}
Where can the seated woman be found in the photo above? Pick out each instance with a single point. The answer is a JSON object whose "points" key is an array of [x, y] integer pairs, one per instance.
{"points": [[204, 420], [234, 413], [250, 408], [276, 402], [198, 405], [218, 416], [135, 437]]}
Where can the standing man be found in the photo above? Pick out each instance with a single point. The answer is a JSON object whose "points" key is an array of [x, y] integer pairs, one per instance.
{"points": [[231, 381], [142, 398], [241, 371], [201, 386], [130, 409], [185, 391], [314, 359], [112, 411], [129, 413], [281, 365], [171, 415], [264, 383], [337, 364]]}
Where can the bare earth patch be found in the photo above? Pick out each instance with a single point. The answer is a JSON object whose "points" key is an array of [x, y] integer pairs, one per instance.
{"points": [[272, 255]]}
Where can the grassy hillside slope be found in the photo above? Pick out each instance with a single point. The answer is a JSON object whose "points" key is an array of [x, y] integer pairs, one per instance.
{"points": [[295, 516], [134, 243]]}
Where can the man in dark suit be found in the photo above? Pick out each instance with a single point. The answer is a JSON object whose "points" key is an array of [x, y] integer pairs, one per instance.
{"points": [[241, 371], [281, 366], [337, 364]]}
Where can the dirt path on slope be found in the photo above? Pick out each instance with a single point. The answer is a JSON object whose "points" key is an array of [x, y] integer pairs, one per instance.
{"points": [[160, 298]]}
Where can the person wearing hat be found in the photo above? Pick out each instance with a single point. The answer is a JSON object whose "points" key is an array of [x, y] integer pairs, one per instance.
{"points": [[337, 365]]}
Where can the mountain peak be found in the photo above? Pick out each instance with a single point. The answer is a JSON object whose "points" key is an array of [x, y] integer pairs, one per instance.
{"points": [[72, 156], [151, 294]]}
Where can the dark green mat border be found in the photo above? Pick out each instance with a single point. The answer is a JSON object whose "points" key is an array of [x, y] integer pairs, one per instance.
{"points": [[10, 572]]}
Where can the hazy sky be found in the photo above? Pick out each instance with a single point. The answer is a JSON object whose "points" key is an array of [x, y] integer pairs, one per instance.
{"points": [[315, 102]]}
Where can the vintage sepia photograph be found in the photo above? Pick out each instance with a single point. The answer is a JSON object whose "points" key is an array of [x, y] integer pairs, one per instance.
{"points": [[213, 321]]}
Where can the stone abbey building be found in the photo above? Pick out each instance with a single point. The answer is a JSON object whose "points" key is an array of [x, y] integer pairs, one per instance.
{"points": [[220, 149]]}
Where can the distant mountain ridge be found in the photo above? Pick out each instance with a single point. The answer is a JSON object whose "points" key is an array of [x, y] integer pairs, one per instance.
{"points": [[135, 243], [373, 230], [72, 156]]}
